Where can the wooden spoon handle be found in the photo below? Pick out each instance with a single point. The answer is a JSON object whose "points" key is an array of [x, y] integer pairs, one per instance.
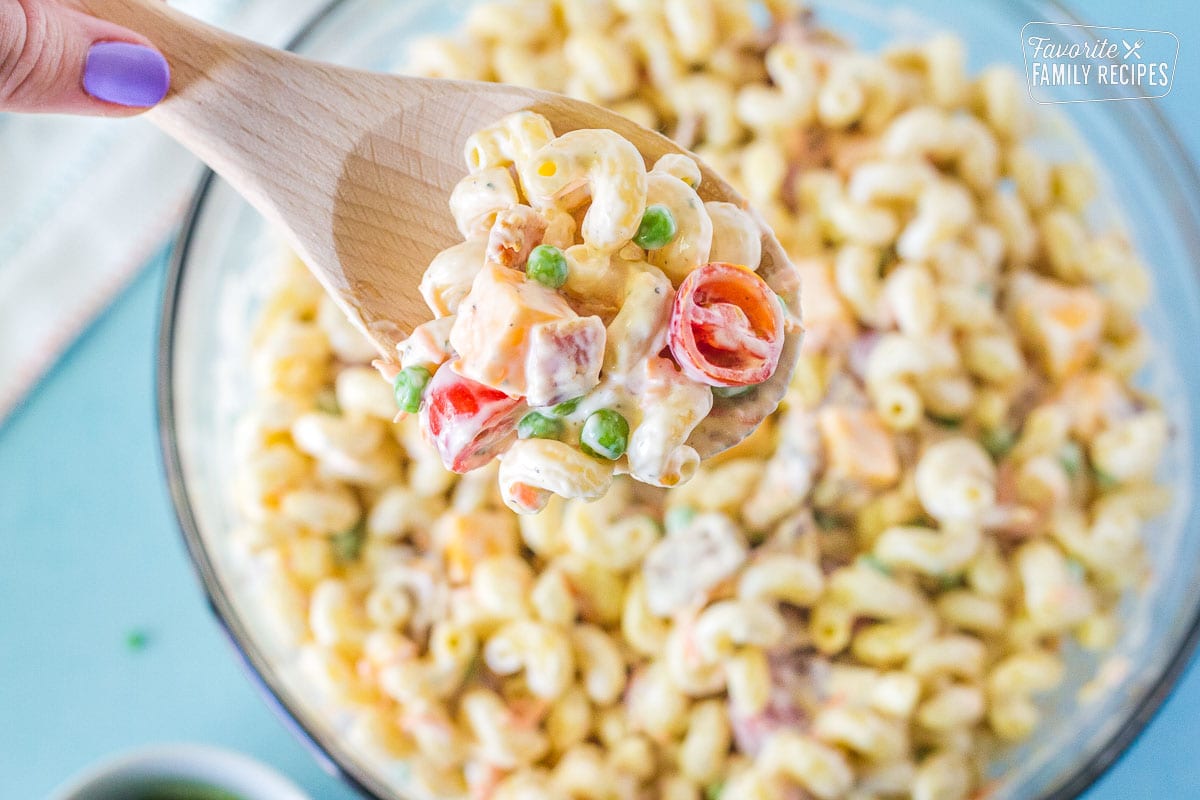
{"points": [[259, 116], [194, 50], [218, 81]]}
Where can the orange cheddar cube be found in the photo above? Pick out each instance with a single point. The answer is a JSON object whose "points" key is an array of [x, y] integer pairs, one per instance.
{"points": [[491, 332], [858, 446]]}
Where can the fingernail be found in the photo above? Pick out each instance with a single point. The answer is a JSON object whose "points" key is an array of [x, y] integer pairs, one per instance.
{"points": [[126, 74]]}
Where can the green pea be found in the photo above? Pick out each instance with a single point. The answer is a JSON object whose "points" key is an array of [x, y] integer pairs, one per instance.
{"points": [[872, 561], [136, 640], [605, 434], [945, 422], [410, 387], [1071, 458], [657, 229], [949, 580], [678, 518], [825, 520], [547, 265], [998, 441], [536, 425], [347, 545], [1104, 481], [567, 407], [327, 403]]}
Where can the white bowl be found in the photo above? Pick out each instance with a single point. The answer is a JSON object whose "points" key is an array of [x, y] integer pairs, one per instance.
{"points": [[119, 777]]}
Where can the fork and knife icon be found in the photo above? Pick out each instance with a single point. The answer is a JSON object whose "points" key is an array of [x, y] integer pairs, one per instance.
{"points": [[1132, 49]]}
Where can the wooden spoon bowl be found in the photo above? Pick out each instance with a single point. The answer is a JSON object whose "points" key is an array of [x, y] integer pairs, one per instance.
{"points": [[356, 169]]}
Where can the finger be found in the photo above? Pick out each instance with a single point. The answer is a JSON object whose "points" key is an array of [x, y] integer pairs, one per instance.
{"points": [[59, 60]]}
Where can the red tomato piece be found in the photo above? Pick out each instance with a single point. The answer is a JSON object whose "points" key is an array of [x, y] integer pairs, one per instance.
{"points": [[726, 326], [468, 423]]}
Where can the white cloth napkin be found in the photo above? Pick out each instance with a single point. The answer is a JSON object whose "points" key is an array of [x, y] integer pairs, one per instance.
{"points": [[84, 204]]}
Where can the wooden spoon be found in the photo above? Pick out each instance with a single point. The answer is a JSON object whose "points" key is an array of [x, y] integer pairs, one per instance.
{"points": [[356, 168]]}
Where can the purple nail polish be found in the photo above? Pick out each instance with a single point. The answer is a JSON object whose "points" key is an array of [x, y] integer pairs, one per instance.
{"points": [[126, 74]]}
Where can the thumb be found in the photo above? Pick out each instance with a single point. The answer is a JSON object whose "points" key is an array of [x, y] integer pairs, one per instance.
{"points": [[59, 60]]}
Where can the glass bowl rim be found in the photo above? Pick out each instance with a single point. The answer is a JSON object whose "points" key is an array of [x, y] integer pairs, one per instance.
{"points": [[252, 658]]}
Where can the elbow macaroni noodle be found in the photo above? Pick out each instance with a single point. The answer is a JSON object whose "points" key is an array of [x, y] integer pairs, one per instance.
{"points": [[849, 604]]}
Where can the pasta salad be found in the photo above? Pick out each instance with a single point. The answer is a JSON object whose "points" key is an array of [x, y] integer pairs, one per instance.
{"points": [[582, 327], [862, 599]]}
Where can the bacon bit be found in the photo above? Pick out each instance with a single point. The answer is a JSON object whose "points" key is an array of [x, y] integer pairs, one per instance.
{"points": [[564, 359], [795, 686], [987, 790], [525, 713], [852, 150], [806, 150], [387, 368], [514, 234], [1009, 517], [1015, 521], [484, 784]]}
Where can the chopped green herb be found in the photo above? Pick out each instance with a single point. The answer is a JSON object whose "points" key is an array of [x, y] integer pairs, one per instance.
{"points": [[547, 265], [567, 407], [678, 518], [1076, 568], [713, 791], [998, 441], [536, 425], [1104, 480], [136, 640], [327, 403], [733, 391], [950, 580], [605, 434], [872, 561], [347, 545], [657, 228], [409, 388], [1070, 455], [945, 422], [473, 668], [825, 521]]}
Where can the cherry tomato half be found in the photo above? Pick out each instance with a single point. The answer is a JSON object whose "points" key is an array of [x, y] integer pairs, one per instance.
{"points": [[726, 326], [468, 423]]}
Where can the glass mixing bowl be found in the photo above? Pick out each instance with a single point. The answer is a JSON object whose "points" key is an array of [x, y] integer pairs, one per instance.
{"points": [[1152, 190]]}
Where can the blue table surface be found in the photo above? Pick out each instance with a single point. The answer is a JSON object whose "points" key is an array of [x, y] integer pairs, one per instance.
{"points": [[91, 554]]}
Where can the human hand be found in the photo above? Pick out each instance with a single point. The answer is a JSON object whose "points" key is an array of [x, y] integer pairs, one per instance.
{"points": [[55, 58]]}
